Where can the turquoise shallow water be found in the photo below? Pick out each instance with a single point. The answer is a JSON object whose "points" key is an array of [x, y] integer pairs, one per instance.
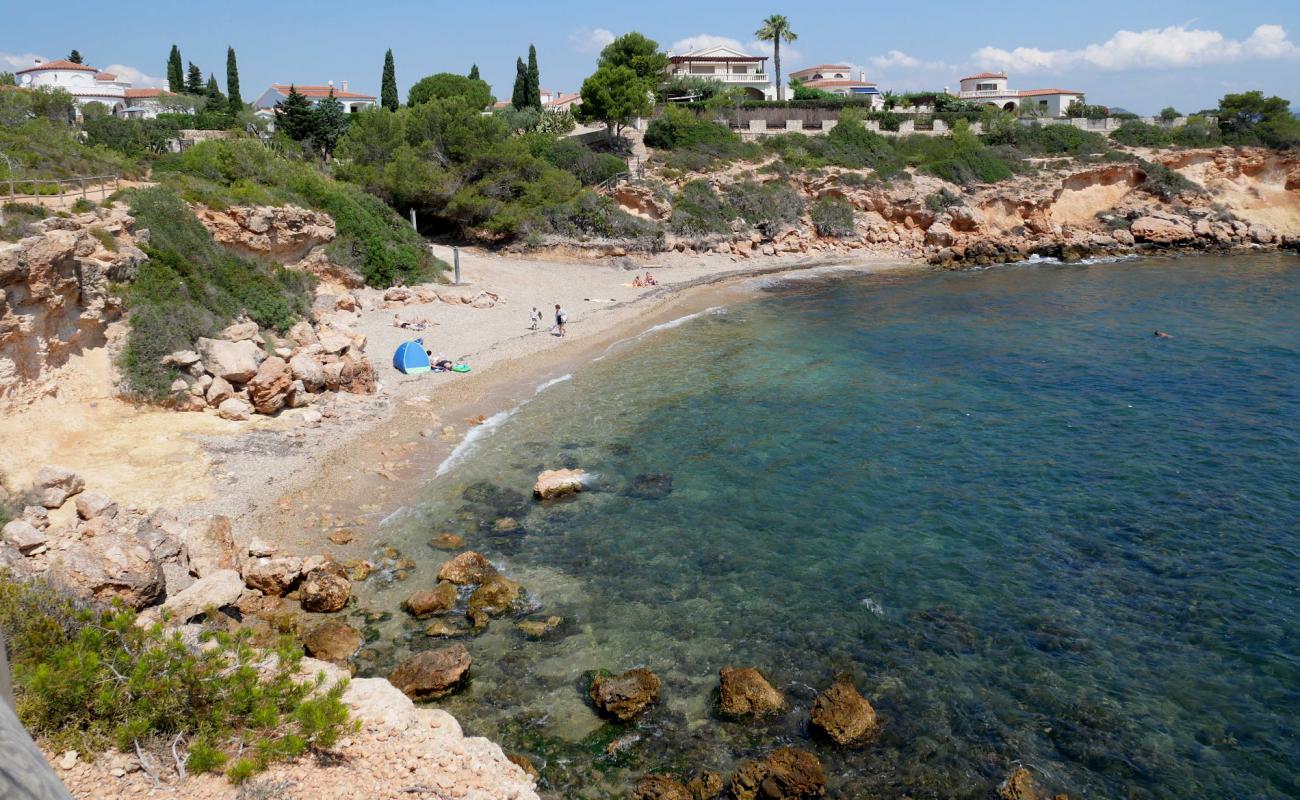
{"points": [[1029, 529]]}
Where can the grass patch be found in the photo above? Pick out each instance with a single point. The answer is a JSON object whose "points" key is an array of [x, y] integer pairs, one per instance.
{"points": [[18, 220], [88, 678], [108, 240], [833, 216]]}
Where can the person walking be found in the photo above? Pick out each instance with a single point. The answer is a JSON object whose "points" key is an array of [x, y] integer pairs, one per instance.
{"points": [[561, 319], [534, 319]]}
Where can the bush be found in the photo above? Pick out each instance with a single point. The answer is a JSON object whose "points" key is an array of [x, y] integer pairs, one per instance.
{"points": [[1164, 182], [1198, 132], [1141, 134], [105, 238], [191, 287], [81, 205], [833, 216], [942, 199], [679, 128], [570, 155], [765, 204], [849, 144], [88, 678], [590, 214], [41, 148], [18, 220], [698, 211]]}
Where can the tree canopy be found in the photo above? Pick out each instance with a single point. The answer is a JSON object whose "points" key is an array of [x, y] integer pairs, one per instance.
{"points": [[175, 71], [475, 93], [235, 101], [388, 84], [776, 29], [614, 96], [75, 57], [534, 76], [519, 96], [1252, 118], [638, 53], [194, 80]]}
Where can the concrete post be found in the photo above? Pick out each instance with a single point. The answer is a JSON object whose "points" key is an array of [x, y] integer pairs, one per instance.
{"points": [[757, 126], [794, 125], [828, 124], [455, 257]]}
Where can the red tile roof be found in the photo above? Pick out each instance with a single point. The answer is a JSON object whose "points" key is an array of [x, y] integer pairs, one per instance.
{"points": [[1043, 92], [985, 75], [105, 76], [133, 94], [60, 64], [321, 91], [824, 68]]}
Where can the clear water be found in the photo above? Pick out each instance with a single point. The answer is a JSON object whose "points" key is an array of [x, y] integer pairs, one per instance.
{"points": [[1031, 531]]}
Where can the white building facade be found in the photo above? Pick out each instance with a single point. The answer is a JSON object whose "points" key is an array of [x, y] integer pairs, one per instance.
{"points": [[838, 79], [991, 88], [727, 66], [87, 85], [352, 102]]}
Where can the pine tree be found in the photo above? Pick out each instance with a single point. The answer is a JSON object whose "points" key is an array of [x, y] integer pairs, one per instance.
{"points": [[293, 115], [175, 71], [534, 80], [194, 79], [235, 101], [473, 73], [519, 97], [388, 85], [216, 101], [328, 124], [75, 57]]}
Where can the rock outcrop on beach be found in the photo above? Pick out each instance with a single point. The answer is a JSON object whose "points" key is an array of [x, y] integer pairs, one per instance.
{"points": [[744, 692], [432, 673], [282, 233], [625, 696], [554, 483], [786, 773], [842, 714]]}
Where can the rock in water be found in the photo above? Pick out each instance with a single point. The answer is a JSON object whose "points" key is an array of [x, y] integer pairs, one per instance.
{"points": [[625, 696], [438, 600], [325, 588], [744, 692], [660, 787], [539, 628], [842, 714], [54, 485], [785, 774], [332, 641], [432, 673], [558, 483], [525, 764], [1019, 785], [492, 599], [651, 487], [706, 785], [467, 568]]}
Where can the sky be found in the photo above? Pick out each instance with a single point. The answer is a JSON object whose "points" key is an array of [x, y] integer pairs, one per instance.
{"points": [[1140, 55]]}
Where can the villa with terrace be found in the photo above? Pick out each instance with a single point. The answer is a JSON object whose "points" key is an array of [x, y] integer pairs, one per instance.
{"points": [[838, 79], [88, 84], [352, 102], [731, 67], [990, 89]]}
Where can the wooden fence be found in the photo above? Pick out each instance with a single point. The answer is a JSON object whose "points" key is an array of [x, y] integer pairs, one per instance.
{"points": [[66, 191]]}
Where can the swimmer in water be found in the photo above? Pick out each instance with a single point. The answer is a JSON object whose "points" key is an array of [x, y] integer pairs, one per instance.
{"points": [[1162, 335]]}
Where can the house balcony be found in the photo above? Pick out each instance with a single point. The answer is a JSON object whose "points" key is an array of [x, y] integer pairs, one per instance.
{"points": [[726, 77], [987, 93]]}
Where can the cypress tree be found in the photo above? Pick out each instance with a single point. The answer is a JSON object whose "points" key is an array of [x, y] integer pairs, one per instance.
{"points": [[328, 124], [175, 72], [75, 57], [473, 73], [534, 80], [236, 102], [519, 97], [194, 80], [216, 102], [293, 115], [388, 85]]}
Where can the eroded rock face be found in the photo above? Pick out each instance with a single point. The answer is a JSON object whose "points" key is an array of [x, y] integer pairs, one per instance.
{"points": [[785, 774], [426, 602], [283, 233], [625, 696], [558, 483], [842, 714], [744, 692], [432, 673], [333, 641], [113, 566], [466, 569], [1161, 230]]}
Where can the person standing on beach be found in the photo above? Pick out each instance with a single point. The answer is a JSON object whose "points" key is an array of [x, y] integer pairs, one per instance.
{"points": [[534, 319], [561, 318]]}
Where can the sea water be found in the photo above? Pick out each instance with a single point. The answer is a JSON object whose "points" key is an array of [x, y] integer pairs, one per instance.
{"points": [[1031, 531]]}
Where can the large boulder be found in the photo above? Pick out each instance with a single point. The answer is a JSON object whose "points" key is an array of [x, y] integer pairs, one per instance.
{"points": [[787, 773], [240, 331], [268, 388], [438, 600], [660, 787], [842, 714], [467, 568], [432, 673], [625, 696], [1162, 230], [23, 536], [217, 590], [333, 641], [234, 409], [325, 588], [744, 692], [211, 546], [236, 362], [272, 576], [115, 566], [218, 392], [93, 505], [494, 598], [308, 370], [54, 485], [557, 483]]}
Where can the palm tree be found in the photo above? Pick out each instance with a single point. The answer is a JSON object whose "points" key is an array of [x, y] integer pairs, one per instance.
{"points": [[776, 29]]}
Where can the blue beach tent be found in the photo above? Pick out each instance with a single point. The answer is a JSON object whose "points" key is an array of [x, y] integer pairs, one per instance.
{"points": [[410, 358]]}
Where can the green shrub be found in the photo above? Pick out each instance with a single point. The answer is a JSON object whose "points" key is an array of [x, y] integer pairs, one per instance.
{"points": [[105, 238], [678, 128], [88, 678], [42, 148], [1197, 132], [18, 219], [81, 205], [591, 215], [849, 144], [763, 204], [832, 216], [698, 210], [1140, 134], [570, 155], [942, 199], [1164, 182]]}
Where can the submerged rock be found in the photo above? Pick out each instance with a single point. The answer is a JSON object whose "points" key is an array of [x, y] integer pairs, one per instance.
{"points": [[660, 787], [625, 696], [539, 628], [432, 673], [447, 541], [467, 568], [651, 486], [842, 714], [445, 629], [333, 641], [558, 483], [706, 785], [426, 602], [744, 692], [495, 598], [786, 773]]}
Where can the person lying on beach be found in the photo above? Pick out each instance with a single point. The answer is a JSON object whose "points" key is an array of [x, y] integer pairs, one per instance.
{"points": [[439, 362], [410, 324]]}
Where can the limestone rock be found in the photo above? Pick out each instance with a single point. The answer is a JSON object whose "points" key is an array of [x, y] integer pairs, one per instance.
{"points": [[114, 566], [332, 641], [219, 391], [181, 358], [220, 589], [744, 692], [706, 785], [438, 600], [842, 714], [325, 588], [660, 787], [211, 547], [493, 598], [539, 628], [260, 548], [625, 696], [1161, 230], [268, 388], [240, 331], [1262, 234], [234, 409], [467, 568], [432, 673], [91, 505], [272, 576], [787, 773], [306, 369], [1019, 785], [236, 362], [557, 483], [524, 763], [22, 535], [54, 485], [1122, 236]]}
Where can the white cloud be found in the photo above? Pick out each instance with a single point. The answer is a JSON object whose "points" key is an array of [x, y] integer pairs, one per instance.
{"points": [[590, 40], [895, 59], [137, 78], [13, 61], [1157, 48]]}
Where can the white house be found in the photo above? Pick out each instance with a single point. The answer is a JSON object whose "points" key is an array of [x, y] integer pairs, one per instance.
{"points": [[990, 88], [87, 84], [838, 79], [731, 67], [352, 102]]}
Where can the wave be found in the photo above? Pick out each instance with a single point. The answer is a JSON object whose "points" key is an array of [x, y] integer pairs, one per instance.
{"points": [[663, 326], [1037, 259], [541, 387], [478, 432]]}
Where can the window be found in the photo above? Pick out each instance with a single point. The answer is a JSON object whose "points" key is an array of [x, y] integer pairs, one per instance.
{"points": [[1042, 104], [986, 87]]}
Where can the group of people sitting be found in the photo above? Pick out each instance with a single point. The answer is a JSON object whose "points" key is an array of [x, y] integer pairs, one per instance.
{"points": [[649, 280]]}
